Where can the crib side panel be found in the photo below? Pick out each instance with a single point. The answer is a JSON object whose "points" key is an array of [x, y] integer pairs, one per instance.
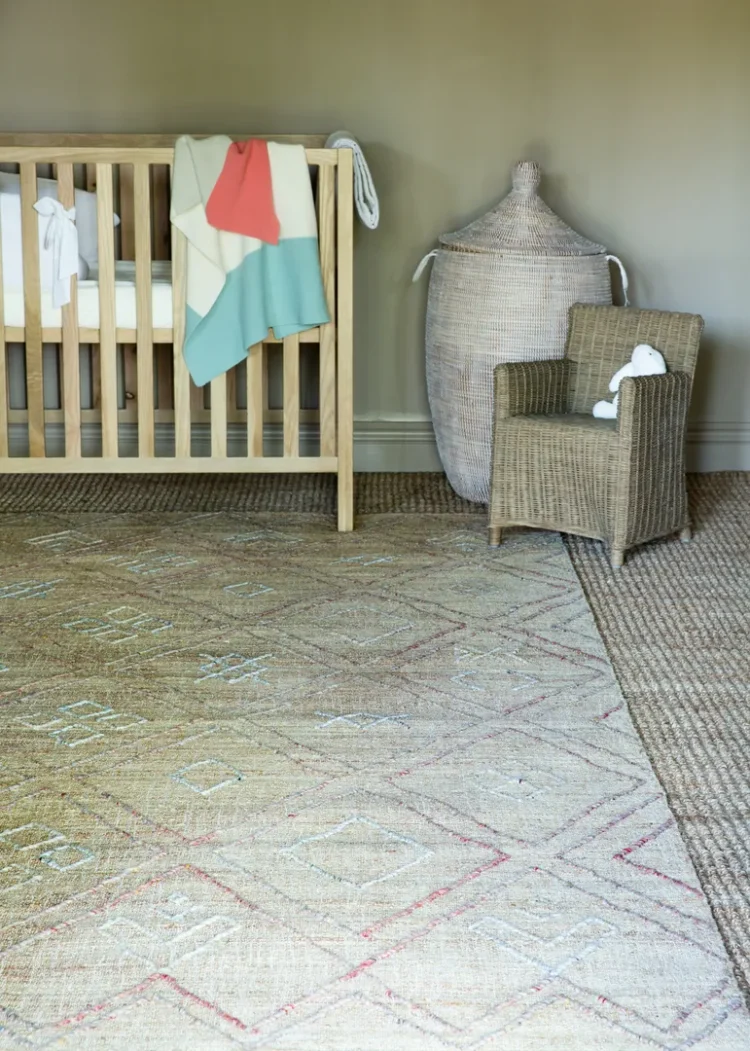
{"points": [[103, 397]]}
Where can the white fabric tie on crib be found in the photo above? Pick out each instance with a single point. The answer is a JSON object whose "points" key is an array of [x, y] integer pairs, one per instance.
{"points": [[365, 194], [61, 237]]}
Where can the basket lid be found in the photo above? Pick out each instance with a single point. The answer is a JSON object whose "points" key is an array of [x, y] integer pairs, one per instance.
{"points": [[523, 223]]}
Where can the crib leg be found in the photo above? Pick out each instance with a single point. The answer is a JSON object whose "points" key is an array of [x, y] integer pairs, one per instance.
{"points": [[345, 340], [345, 501]]}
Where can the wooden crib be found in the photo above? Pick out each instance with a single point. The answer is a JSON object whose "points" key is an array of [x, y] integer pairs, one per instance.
{"points": [[111, 399]]}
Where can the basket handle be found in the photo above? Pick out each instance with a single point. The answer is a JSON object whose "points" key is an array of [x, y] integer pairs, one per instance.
{"points": [[623, 275], [423, 265], [610, 259]]}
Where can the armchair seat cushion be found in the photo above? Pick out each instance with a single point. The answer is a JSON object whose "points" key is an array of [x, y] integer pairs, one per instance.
{"points": [[558, 472]]}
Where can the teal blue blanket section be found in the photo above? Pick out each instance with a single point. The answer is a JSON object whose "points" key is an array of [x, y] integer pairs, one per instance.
{"points": [[278, 287]]}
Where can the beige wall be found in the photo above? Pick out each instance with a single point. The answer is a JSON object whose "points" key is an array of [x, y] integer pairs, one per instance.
{"points": [[639, 113]]}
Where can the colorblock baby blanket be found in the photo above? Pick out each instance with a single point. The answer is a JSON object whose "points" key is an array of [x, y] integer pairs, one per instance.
{"points": [[239, 287], [242, 199]]}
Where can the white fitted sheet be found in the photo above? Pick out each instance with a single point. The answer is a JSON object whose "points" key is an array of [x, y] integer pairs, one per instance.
{"points": [[88, 300]]}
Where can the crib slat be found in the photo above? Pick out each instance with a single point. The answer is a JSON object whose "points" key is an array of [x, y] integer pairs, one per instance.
{"points": [[144, 338], [219, 416], [71, 355], [291, 395], [107, 333], [345, 340], [182, 394], [327, 233], [255, 388], [3, 363], [32, 301]]}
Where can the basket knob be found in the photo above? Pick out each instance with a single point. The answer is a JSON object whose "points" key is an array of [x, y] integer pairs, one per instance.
{"points": [[527, 176]]}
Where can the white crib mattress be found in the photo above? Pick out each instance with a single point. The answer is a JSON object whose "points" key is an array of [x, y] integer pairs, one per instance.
{"points": [[88, 300]]}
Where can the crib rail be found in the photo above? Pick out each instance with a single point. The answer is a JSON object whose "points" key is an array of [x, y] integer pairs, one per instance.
{"points": [[119, 399]]}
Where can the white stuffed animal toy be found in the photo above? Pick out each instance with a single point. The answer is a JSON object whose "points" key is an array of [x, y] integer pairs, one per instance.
{"points": [[645, 362]]}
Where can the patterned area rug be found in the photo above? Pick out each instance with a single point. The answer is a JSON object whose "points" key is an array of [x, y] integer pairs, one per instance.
{"points": [[268, 786]]}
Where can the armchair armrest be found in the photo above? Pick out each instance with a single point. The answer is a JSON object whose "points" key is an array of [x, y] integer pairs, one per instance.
{"points": [[651, 421], [530, 387], [652, 411]]}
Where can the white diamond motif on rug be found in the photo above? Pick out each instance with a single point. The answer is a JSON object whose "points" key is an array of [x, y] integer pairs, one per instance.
{"points": [[358, 852], [520, 785], [207, 776]]}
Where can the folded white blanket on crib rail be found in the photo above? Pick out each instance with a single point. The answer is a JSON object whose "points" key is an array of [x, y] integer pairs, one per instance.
{"points": [[365, 194]]}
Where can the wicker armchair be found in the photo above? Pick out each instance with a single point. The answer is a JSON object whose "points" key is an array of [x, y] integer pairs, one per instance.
{"points": [[555, 466]]}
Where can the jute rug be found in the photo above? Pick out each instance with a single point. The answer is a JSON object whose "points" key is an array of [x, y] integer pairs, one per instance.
{"points": [[676, 624], [268, 786], [375, 493]]}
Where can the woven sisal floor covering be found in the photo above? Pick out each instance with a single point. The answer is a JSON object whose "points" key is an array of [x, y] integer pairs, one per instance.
{"points": [[676, 622], [267, 786], [313, 493]]}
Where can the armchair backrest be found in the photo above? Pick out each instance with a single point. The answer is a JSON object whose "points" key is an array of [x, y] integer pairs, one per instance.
{"points": [[602, 339]]}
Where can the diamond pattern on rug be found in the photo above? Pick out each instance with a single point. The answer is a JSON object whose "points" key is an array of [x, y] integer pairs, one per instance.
{"points": [[358, 852], [269, 786], [517, 784]]}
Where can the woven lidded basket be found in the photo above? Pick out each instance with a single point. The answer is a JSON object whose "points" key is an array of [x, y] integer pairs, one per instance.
{"points": [[500, 291]]}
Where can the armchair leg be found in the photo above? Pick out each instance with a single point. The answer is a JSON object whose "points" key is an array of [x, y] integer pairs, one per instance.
{"points": [[617, 558], [495, 536], [686, 535]]}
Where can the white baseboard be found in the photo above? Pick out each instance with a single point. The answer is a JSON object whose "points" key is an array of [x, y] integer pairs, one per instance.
{"points": [[718, 447], [398, 444], [404, 443], [408, 444]]}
